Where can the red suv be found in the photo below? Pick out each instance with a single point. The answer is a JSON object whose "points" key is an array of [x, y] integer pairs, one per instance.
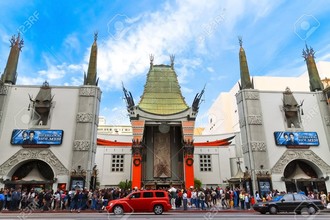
{"points": [[156, 201]]}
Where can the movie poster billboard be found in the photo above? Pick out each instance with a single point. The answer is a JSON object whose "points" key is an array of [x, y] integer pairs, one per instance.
{"points": [[36, 137], [283, 138]]}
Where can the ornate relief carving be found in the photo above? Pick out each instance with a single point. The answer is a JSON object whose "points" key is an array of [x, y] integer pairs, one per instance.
{"points": [[84, 117], [81, 145], [258, 146], [45, 155], [255, 120], [87, 91], [291, 155], [188, 148], [326, 119], [252, 95], [137, 148], [3, 90]]}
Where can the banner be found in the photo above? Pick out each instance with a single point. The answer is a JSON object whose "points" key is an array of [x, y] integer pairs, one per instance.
{"points": [[36, 137], [283, 138]]}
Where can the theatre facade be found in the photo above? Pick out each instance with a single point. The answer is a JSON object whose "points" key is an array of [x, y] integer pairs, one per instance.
{"points": [[284, 124], [47, 133]]}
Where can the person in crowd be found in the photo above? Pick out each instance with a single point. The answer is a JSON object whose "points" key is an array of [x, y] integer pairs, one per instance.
{"points": [[247, 201], [257, 198], [9, 204], [241, 199], [223, 200], [173, 194], [323, 198], [194, 201], [214, 197], [2, 199], [189, 195], [16, 199], [201, 198], [328, 197], [57, 200], [185, 200]]}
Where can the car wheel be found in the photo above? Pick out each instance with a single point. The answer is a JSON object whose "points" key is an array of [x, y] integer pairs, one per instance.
{"points": [[118, 210], [272, 210], [311, 210], [158, 209]]}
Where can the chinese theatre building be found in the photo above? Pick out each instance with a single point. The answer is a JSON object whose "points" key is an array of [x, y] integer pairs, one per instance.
{"points": [[163, 125], [162, 149], [47, 133]]}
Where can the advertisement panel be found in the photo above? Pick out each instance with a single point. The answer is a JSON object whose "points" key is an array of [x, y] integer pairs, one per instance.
{"points": [[36, 137], [284, 138]]}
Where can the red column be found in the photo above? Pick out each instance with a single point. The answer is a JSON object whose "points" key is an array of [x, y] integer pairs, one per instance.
{"points": [[138, 129], [188, 132], [189, 170], [136, 171]]}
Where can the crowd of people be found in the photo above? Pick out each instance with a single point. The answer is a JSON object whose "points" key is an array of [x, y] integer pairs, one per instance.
{"points": [[48, 200], [79, 199]]}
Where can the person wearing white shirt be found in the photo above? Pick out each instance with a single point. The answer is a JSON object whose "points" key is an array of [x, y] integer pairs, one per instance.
{"points": [[185, 200]]}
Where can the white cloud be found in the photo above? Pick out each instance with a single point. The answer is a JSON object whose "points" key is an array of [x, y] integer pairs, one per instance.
{"points": [[171, 30], [57, 72], [24, 80], [210, 69], [71, 43]]}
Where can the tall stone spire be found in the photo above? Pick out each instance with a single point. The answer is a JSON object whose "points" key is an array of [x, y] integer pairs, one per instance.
{"points": [[244, 69], [92, 73], [315, 83], [10, 73]]}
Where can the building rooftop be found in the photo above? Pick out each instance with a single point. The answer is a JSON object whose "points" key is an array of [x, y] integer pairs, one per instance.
{"points": [[162, 94]]}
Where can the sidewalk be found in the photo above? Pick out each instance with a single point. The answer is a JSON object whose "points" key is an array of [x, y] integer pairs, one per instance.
{"points": [[216, 208]]}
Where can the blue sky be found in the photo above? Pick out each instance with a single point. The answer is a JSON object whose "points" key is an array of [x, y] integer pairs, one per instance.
{"points": [[202, 35]]}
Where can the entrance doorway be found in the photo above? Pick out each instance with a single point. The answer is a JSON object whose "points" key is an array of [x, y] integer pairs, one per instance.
{"points": [[301, 176], [34, 174]]}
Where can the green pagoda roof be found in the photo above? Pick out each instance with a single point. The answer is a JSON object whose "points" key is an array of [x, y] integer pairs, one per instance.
{"points": [[162, 94]]}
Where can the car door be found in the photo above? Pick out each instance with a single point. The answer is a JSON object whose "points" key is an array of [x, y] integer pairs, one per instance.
{"points": [[300, 202], [286, 204], [134, 202], [148, 197]]}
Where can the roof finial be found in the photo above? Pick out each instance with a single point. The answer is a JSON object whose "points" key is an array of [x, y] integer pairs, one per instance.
{"points": [[151, 57], [95, 35], [240, 41], [308, 52], [172, 57], [17, 41]]}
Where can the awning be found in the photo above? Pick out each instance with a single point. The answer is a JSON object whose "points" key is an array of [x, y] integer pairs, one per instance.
{"points": [[222, 142]]}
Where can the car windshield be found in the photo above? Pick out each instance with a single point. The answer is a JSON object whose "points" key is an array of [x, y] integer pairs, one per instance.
{"points": [[277, 198]]}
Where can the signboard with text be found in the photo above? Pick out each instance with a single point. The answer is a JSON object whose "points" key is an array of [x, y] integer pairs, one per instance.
{"points": [[36, 137], [283, 138]]}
